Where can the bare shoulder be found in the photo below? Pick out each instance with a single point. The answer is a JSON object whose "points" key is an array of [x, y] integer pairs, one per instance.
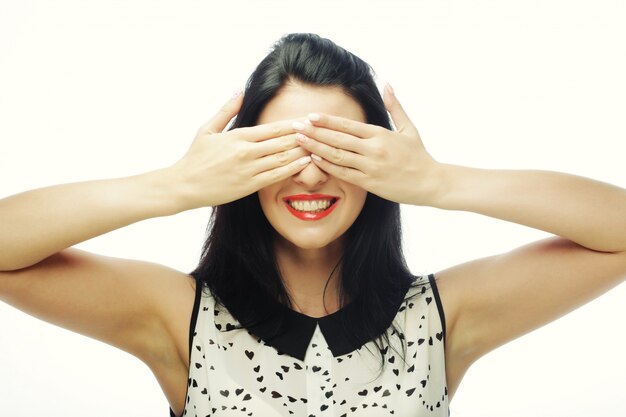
{"points": [[452, 285], [134, 305], [450, 294], [493, 300]]}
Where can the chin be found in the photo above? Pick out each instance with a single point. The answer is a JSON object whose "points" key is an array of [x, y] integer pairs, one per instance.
{"points": [[310, 242]]}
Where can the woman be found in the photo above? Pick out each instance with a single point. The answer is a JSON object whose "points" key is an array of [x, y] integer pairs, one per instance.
{"points": [[302, 303]]}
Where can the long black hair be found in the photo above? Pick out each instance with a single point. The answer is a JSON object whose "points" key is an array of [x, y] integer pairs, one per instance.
{"points": [[238, 261]]}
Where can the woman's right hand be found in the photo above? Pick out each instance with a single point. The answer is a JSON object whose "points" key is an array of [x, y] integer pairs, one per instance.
{"points": [[221, 167]]}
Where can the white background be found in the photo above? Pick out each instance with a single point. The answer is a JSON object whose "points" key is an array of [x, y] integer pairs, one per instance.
{"points": [[106, 89]]}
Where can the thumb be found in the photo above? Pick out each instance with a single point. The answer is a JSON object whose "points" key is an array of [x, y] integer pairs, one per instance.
{"points": [[398, 115], [229, 110]]}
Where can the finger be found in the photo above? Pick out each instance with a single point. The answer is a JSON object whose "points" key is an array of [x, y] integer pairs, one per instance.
{"points": [[337, 156], [272, 146], [336, 139], [220, 120], [280, 173], [341, 124], [266, 131], [278, 159], [350, 175], [398, 115]]}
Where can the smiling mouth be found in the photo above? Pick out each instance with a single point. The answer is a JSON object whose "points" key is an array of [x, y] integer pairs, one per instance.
{"points": [[311, 209], [311, 206]]}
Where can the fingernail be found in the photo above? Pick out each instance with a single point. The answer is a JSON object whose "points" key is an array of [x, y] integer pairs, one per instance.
{"points": [[301, 138], [317, 158], [304, 160], [390, 89], [236, 94], [314, 117], [298, 125]]}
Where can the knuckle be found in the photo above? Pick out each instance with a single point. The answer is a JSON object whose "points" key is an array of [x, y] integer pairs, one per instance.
{"points": [[379, 131], [337, 155], [276, 130], [345, 125], [282, 157], [335, 138], [288, 143], [275, 175], [378, 151], [343, 172], [242, 153]]}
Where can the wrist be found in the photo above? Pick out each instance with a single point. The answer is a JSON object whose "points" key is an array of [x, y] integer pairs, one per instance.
{"points": [[443, 182], [430, 185], [166, 191], [466, 188]]}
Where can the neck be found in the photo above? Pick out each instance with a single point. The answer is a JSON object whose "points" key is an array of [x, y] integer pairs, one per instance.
{"points": [[305, 273]]}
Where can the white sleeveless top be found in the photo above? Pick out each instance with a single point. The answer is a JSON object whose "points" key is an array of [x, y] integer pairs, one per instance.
{"points": [[314, 370]]}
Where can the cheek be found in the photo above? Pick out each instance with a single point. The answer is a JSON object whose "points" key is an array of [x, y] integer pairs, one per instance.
{"points": [[362, 202], [267, 195], [262, 196], [359, 195], [265, 203], [357, 201]]}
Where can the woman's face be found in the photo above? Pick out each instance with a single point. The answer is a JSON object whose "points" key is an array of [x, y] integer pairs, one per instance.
{"points": [[307, 230]]}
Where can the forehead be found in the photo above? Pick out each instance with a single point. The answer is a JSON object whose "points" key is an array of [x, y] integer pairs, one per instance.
{"points": [[296, 100]]}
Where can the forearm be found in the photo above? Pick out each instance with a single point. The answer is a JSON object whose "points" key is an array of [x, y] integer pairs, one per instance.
{"points": [[585, 211], [38, 223]]}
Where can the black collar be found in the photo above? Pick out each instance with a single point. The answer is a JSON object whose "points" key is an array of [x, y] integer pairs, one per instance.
{"points": [[290, 331]]}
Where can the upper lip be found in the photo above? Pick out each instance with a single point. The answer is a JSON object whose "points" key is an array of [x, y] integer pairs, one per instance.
{"points": [[304, 197]]}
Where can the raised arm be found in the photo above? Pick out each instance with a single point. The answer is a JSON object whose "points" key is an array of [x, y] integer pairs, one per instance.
{"points": [[504, 296], [492, 300], [588, 212], [127, 303], [38, 223]]}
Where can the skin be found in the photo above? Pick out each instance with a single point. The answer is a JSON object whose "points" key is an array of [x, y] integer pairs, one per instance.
{"points": [[307, 251], [144, 308], [493, 300]]}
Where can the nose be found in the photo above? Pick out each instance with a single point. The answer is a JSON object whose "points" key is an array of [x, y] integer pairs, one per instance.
{"points": [[311, 176]]}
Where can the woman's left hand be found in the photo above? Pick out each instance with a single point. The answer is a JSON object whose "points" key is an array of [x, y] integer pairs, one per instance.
{"points": [[391, 164]]}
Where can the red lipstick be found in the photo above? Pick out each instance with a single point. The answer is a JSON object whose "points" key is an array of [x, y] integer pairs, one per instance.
{"points": [[303, 215]]}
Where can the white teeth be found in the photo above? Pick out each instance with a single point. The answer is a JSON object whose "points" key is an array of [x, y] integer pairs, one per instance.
{"points": [[311, 206]]}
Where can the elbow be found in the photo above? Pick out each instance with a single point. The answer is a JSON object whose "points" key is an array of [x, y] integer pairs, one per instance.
{"points": [[15, 264], [12, 265], [9, 267]]}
